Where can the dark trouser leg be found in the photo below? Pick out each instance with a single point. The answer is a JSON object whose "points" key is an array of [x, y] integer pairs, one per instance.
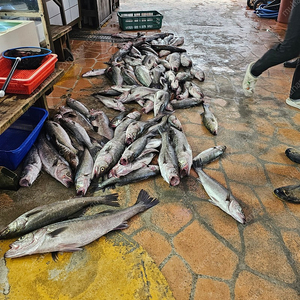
{"points": [[295, 88], [288, 49]]}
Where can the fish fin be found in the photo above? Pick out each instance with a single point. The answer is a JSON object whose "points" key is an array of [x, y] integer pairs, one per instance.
{"points": [[70, 248], [197, 164], [228, 197], [145, 199], [57, 232], [122, 226], [54, 256], [33, 213]]}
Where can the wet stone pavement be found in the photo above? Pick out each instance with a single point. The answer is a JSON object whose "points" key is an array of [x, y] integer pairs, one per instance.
{"points": [[202, 252]]}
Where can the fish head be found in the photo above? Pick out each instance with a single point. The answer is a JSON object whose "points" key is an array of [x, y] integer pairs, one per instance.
{"points": [[100, 167], [14, 226], [26, 244], [236, 211], [82, 184], [64, 175]]}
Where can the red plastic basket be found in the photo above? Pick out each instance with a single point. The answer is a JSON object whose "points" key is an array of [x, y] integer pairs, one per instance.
{"points": [[26, 81]]}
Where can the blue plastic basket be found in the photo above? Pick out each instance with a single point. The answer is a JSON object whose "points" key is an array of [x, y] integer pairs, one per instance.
{"points": [[16, 141]]}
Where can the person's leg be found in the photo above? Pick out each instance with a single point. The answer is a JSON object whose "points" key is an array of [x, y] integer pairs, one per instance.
{"points": [[287, 50], [294, 99]]}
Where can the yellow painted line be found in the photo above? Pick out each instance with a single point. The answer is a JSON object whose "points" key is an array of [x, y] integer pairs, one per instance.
{"points": [[114, 267]]}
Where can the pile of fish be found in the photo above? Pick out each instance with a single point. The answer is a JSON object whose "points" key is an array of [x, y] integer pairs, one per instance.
{"points": [[48, 229], [81, 144]]}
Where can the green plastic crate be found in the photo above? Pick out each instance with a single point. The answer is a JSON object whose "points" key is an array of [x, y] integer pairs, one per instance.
{"points": [[136, 20]]}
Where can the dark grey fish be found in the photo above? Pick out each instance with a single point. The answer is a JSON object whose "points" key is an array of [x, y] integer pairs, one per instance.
{"points": [[50, 213], [142, 73], [135, 176], [290, 193], [293, 154], [186, 103]]}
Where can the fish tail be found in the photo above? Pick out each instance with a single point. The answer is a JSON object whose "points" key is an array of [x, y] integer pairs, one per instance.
{"points": [[145, 200], [111, 199]]}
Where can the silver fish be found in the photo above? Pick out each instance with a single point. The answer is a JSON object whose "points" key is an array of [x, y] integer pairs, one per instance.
{"points": [[50, 213], [94, 72], [32, 167], [111, 103], [109, 155], [142, 73], [175, 122], [183, 151], [84, 173], [195, 91], [79, 106], [174, 60], [161, 100], [185, 60], [73, 234], [219, 195], [101, 123], [167, 160], [210, 154], [53, 163], [209, 119], [143, 160], [198, 73]]}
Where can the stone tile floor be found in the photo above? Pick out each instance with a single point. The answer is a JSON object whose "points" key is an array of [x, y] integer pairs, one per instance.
{"points": [[202, 252]]}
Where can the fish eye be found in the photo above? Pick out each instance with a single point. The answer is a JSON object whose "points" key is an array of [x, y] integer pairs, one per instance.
{"points": [[102, 169]]}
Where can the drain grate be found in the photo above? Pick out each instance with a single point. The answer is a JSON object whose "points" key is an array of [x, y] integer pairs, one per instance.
{"points": [[84, 35]]}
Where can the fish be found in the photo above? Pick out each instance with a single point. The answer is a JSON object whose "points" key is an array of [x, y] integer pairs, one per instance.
{"points": [[171, 48], [177, 41], [81, 135], [116, 75], [174, 60], [150, 61], [129, 76], [132, 116], [32, 167], [167, 160], [186, 103], [142, 160], [210, 154], [293, 154], [53, 163], [93, 73], [79, 106], [122, 52], [195, 91], [209, 119], [135, 176], [142, 73], [101, 124], [219, 195], [50, 213], [137, 128], [172, 82], [183, 151], [62, 142], [185, 60], [161, 100], [135, 149], [111, 103], [84, 173], [109, 155], [197, 72], [290, 193], [72, 235], [175, 122]]}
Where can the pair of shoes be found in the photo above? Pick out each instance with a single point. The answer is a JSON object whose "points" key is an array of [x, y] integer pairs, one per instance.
{"points": [[290, 64], [249, 81], [293, 102]]}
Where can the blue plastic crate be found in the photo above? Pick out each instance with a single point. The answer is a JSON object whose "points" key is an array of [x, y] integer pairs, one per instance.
{"points": [[16, 141]]}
